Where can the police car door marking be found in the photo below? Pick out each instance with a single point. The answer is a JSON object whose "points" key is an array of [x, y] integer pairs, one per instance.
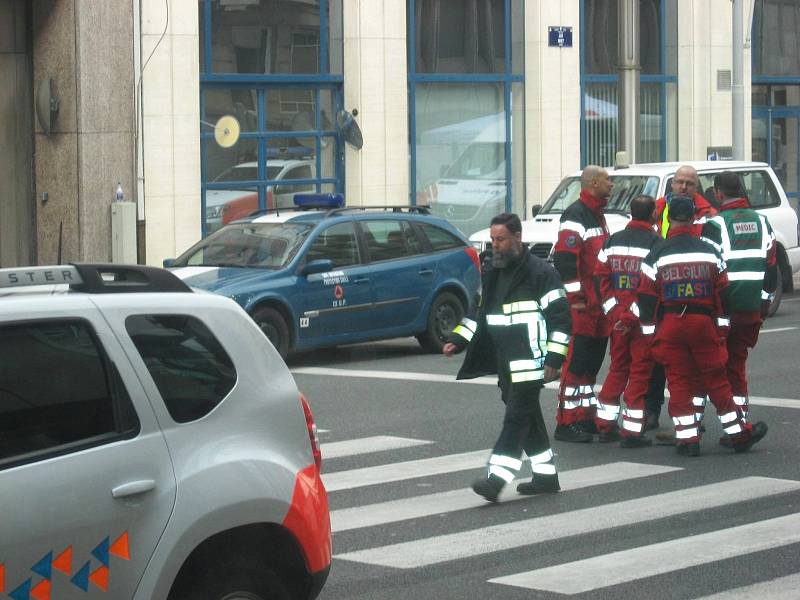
{"points": [[63, 562], [304, 322], [334, 278], [44, 567], [81, 578], [338, 296]]}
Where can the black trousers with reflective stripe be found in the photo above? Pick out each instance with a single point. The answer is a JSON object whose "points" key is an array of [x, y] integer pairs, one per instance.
{"points": [[523, 425]]}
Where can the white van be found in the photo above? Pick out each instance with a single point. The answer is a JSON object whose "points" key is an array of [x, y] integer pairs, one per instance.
{"points": [[763, 190]]}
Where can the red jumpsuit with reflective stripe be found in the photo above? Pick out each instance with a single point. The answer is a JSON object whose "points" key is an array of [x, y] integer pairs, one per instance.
{"points": [[617, 278], [686, 276], [581, 235]]}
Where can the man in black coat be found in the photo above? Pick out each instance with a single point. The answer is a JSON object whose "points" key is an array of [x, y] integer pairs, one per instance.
{"points": [[520, 333]]}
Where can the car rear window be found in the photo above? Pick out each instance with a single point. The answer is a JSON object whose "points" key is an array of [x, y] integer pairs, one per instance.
{"points": [[58, 391], [757, 184], [439, 238], [189, 366]]}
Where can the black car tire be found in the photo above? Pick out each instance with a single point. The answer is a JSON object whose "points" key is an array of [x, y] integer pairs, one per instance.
{"points": [[776, 301], [238, 578], [447, 310], [274, 327]]}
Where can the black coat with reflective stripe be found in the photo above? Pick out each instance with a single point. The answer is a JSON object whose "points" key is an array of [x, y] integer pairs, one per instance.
{"points": [[531, 280]]}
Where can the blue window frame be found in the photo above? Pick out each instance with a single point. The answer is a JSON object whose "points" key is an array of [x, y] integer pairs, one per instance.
{"points": [[465, 81], [278, 70], [658, 91]]}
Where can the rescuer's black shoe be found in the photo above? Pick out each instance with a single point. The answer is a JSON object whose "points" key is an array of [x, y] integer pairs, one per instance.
{"points": [[589, 426], [488, 487], [758, 431], [571, 433], [635, 441], [541, 484], [609, 436], [692, 449], [652, 421]]}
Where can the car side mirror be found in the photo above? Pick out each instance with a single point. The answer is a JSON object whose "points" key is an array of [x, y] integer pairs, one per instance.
{"points": [[321, 265], [168, 262], [535, 210]]}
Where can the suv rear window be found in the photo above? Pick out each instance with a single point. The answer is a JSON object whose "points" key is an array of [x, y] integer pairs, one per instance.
{"points": [[189, 366], [758, 186], [58, 391], [439, 238]]}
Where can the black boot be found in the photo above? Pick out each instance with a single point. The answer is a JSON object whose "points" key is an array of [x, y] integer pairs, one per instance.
{"points": [[612, 435], [488, 487], [571, 433], [540, 484], [691, 449], [635, 441], [758, 431]]}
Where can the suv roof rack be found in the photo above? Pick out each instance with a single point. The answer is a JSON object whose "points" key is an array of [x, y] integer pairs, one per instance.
{"points": [[422, 209], [95, 278]]}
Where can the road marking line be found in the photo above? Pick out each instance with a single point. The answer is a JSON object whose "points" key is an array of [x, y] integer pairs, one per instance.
{"points": [[367, 445], [782, 588], [553, 385], [656, 559], [495, 538], [393, 511], [777, 330], [354, 478]]}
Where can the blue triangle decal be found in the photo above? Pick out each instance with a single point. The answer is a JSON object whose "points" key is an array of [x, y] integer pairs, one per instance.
{"points": [[45, 566], [81, 578], [101, 552], [23, 592]]}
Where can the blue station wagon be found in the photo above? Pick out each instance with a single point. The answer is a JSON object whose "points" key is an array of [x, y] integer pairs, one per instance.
{"points": [[313, 277]]}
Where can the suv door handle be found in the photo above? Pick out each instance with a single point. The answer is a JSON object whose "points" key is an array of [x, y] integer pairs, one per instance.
{"points": [[426, 271], [133, 488]]}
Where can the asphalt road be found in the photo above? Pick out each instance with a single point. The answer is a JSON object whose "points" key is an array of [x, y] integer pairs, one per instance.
{"points": [[402, 441]]}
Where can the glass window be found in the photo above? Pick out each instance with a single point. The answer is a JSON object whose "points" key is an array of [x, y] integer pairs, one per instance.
{"points": [[336, 243], [190, 368], [776, 33], [267, 37], [58, 391], [460, 36], [439, 238], [758, 186], [267, 245], [626, 188], [386, 239]]}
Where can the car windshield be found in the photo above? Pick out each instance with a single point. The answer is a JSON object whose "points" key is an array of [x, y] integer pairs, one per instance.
{"points": [[262, 245], [626, 188]]}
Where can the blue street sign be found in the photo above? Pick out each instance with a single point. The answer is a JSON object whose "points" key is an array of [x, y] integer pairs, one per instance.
{"points": [[560, 37]]}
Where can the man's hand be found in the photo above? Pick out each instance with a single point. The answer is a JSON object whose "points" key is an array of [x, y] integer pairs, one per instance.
{"points": [[550, 373], [449, 349], [621, 327]]}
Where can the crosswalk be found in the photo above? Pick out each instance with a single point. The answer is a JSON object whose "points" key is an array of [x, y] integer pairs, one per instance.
{"points": [[421, 547]]}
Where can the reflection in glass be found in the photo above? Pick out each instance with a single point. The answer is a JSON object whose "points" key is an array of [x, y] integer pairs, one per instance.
{"points": [[460, 168], [266, 245], [776, 37]]}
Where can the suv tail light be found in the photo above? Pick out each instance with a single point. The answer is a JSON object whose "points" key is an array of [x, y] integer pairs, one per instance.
{"points": [[312, 432], [473, 254]]}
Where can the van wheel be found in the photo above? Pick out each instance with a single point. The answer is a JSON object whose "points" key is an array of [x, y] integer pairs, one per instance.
{"points": [[238, 579], [272, 323], [446, 312], [776, 302]]}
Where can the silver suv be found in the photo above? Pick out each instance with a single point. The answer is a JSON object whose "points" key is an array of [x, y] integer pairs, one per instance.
{"points": [[153, 444]]}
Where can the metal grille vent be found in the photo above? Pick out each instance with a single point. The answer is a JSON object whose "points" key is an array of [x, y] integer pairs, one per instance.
{"points": [[723, 80]]}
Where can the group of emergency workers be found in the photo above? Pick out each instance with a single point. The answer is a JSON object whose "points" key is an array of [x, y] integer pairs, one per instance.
{"points": [[681, 293]]}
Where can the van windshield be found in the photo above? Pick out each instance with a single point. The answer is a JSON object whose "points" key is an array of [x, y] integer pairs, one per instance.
{"points": [[480, 160], [626, 188]]}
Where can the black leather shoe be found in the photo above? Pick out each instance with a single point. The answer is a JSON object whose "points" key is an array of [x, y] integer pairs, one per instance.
{"points": [[541, 484], [635, 441], [692, 449], [609, 436], [571, 433], [588, 426], [726, 441], [488, 487], [758, 431], [652, 421]]}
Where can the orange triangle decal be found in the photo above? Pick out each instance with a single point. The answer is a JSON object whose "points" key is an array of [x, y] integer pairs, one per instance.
{"points": [[120, 547], [42, 590], [2, 578], [63, 562], [100, 578]]}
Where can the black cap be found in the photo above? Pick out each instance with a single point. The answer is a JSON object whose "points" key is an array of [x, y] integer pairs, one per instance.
{"points": [[681, 208]]}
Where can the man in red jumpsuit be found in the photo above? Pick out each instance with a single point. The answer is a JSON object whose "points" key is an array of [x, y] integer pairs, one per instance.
{"points": [[686, 277], [617, 276], [581, 235], [684, 183]]}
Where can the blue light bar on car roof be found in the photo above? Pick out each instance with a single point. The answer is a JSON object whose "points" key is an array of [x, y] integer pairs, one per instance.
{"points": [[319, 200]]}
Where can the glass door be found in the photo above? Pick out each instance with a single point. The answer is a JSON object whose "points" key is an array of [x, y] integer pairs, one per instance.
{"points": [[776, 140]]}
